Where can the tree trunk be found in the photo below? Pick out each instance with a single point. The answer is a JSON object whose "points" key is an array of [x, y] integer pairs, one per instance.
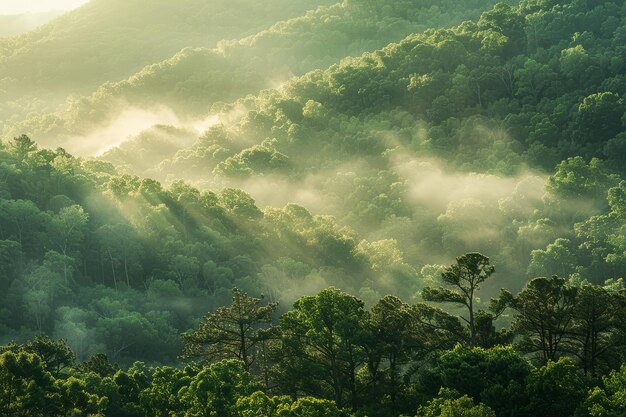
{"points": [[335, 379], [126, 272], [113, 271], [472, 329], [243, 348], [393, 380]]}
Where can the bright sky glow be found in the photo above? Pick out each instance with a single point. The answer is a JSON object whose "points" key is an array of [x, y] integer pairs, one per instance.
{"points": [[36, 6]]}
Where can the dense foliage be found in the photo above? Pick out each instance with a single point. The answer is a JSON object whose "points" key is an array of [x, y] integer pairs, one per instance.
{"points": [[488, 94], [474, 169], [120, 263], [330, 356], [493, 96]]}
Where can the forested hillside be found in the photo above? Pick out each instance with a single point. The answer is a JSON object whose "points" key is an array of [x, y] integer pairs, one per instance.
{"points": [[364, 209], [420, 140], [188, 83], [109, 40], [120, 264], [536, 88]]}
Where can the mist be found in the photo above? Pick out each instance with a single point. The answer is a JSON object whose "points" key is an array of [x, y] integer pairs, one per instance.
{"points": [[434, 184], [129, 123], [158, 155], [14, 7], [126, 126], [15, 24]]}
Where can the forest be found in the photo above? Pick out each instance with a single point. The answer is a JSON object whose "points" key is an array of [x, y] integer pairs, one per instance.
{"points": [[373, 208]]}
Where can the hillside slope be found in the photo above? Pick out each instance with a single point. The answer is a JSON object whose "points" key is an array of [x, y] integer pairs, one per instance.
{"points": [[193, 79], [425, 136], [545, 82], [108, 40]]}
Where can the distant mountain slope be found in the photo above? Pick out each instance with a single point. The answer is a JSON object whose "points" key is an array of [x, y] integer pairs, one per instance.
{"points": [[107, 40], [193, 79], [11, 25]]}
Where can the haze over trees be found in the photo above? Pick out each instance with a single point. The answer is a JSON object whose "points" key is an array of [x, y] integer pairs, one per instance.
{"points": [[15, 24], [305, 209], [105, 41]]}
